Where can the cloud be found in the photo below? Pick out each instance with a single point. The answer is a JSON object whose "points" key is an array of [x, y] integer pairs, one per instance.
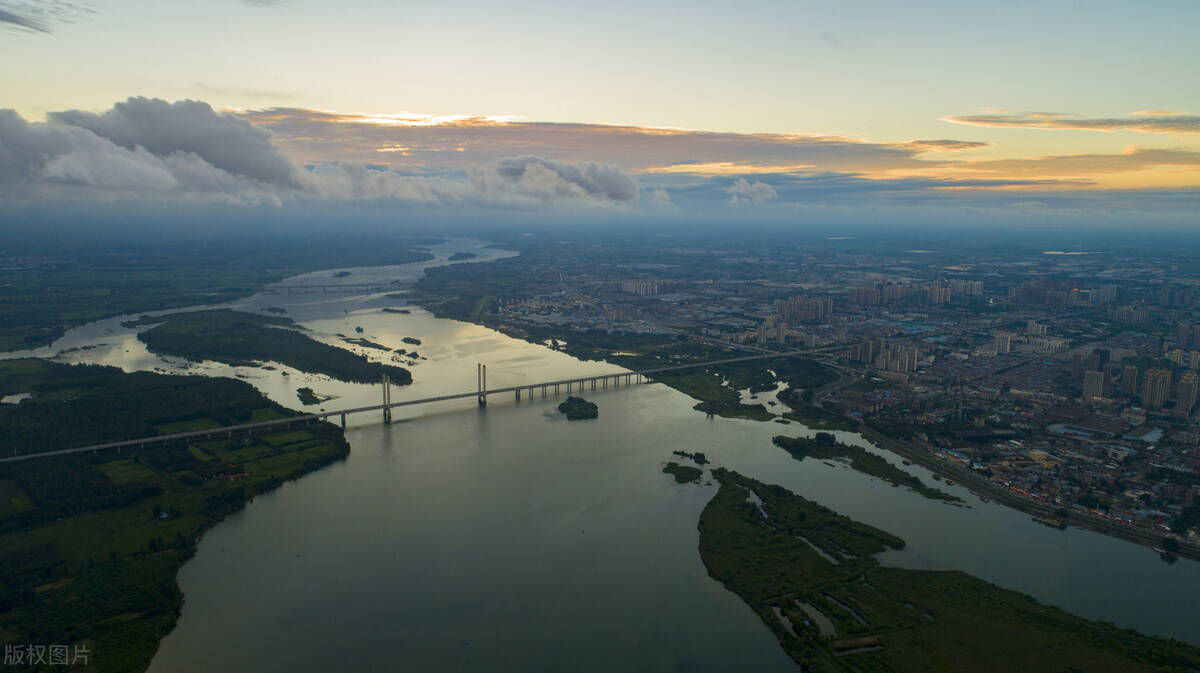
{"points": [[225, 141], [62, 161], [548, 180], [150, 149], [40, 17], [1146, 121], [185, 151], [942, 145], [744, 191], [465, 140], [1132, 159], [26, 22]]}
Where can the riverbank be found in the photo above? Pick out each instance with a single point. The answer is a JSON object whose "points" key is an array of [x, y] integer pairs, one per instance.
{"points": [[984, 487], [90, 545], [811, 576]]}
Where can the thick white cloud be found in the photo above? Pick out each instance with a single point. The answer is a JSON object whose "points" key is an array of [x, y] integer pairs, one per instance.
{"points": [[744, 191], [185, 151], [227, 142], [542, 179], [63, 161]]}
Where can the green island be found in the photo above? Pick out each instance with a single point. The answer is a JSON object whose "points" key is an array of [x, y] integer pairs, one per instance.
{"points": [[810, 575], [90, 543], [823, 446], [365, 343], [578, 409], [401, 311], [71, 277], [309, 397], [245, 338], [412, 341], [683, 473], [460, 256]]}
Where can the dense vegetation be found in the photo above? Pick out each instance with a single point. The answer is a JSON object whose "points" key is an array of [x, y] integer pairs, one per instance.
{"points": [[810, 575], [683, 473], [80, 405], [65, 281], [578, 409], [824, 446], [242, 338], [90, 543]]}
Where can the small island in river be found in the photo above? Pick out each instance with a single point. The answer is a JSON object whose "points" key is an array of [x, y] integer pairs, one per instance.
{"points": [[683, 473], [578, 409], [460, 256], [823, 446]]}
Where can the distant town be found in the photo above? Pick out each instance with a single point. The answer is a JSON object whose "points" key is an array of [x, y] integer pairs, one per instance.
{"points": [[1067, 379]]}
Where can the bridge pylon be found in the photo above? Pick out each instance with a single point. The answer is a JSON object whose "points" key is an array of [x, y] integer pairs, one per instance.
{"points": [[481, 381], [387, 400]]}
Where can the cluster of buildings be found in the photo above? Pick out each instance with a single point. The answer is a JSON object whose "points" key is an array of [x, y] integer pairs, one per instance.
{"points": [[1072, 379]]}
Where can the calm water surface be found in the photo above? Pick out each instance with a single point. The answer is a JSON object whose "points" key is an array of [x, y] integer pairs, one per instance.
{"points": [[511, 539]]}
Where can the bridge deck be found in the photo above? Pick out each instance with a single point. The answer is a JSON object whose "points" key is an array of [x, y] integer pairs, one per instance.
{"points": [[324, 415]]}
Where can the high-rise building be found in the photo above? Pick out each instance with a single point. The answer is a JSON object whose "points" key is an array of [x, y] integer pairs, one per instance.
{"points": [[1003, 342], [1185, 395], [1129, 378], [1093, 384], [1155, 389], [1098, 359], [1184, 339], [1033, 328], [804, 309]]}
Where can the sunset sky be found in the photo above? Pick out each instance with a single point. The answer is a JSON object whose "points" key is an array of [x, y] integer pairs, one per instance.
{"points": [[647, 105]]}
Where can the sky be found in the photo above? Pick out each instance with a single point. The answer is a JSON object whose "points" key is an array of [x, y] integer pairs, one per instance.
{"points": [[654, 107]]}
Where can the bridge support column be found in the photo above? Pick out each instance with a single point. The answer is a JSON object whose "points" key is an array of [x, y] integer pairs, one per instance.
{"points": [[387, 401], [518, 392], [343, 421], [481, 377]]}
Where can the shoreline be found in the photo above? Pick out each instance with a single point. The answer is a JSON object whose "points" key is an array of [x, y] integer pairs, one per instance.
{"points": [[984, 487]]}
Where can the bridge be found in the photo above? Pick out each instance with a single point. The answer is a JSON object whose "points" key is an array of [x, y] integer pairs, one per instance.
{"points": [[481, 393]]}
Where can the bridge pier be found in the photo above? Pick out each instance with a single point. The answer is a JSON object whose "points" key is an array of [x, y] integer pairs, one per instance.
{"points": [[343, 421], [518, 392]]}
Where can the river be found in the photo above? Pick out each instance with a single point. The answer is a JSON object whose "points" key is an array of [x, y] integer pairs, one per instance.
{"points": [[508, 538]]}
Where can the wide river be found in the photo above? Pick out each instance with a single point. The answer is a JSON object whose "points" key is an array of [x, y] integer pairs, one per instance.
{"points": [[508, 538]]}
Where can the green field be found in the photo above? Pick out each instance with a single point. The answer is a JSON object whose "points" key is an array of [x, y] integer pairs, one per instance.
{"points": [[810, 574], [90, 543]]}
